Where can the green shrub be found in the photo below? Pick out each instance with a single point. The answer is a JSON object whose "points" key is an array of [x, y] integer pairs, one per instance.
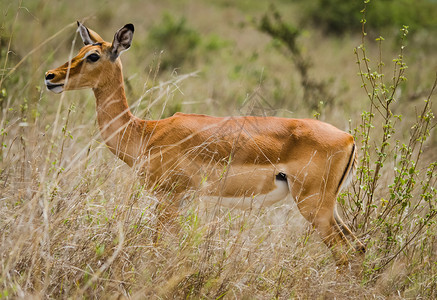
{"points": [[338, 16], [394, 199], [176, 39], [315, 91]]}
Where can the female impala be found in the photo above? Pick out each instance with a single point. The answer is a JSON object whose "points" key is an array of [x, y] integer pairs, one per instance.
{"points": [[238, 161]]}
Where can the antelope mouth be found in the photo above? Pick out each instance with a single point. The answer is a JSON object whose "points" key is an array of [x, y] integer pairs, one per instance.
{"points": [[56, 88]]}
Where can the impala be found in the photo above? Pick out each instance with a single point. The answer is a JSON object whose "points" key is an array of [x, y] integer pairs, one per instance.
{"points": [[236, 161]]}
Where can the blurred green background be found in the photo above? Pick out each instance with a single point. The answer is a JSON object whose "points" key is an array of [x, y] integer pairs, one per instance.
{"points": [[241, 69]]}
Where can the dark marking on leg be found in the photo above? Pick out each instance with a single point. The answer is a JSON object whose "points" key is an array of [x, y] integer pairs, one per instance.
{"points": [[281, 176]]}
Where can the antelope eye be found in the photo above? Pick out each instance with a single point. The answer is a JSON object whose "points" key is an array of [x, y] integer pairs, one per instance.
{"points": [[93, 57]]}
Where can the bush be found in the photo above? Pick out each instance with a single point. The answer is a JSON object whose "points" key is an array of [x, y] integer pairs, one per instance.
{"points": [[176, 39], [315, 91], [337, 16], [394, 198]]}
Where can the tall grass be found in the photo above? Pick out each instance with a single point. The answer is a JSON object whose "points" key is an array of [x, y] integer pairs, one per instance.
{"points": [[394, 198], [76, 222]]}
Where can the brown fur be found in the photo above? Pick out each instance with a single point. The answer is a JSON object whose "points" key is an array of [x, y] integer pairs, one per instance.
{"points": [[216, 156]]}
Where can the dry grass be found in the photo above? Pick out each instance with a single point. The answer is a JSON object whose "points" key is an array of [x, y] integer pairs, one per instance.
{"points": [[89, 232], [76, 222]]}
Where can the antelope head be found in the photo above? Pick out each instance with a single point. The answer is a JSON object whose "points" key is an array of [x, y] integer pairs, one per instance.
{"points": [[95, 63]]}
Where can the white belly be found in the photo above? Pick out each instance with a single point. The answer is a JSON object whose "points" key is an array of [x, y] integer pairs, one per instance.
{"points": [[257, 201]]}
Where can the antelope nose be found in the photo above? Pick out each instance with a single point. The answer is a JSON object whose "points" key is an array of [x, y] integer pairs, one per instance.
{"points": [[49, 76]]}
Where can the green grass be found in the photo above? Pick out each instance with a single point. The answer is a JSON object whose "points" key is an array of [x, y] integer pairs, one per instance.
{"points": [[76, 222]]}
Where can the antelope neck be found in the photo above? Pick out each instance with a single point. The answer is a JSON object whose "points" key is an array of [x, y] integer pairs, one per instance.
{"points": [[111, 105], [115, 118]]}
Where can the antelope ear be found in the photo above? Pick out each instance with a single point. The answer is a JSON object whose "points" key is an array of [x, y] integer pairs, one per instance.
{"points": [[122, 40], [88, 36]]}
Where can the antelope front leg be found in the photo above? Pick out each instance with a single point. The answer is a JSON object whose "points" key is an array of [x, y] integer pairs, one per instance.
{"points": [[167, 214]]}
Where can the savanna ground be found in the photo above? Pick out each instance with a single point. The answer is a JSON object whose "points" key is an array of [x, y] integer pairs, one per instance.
{"points": [[76, 222]]}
